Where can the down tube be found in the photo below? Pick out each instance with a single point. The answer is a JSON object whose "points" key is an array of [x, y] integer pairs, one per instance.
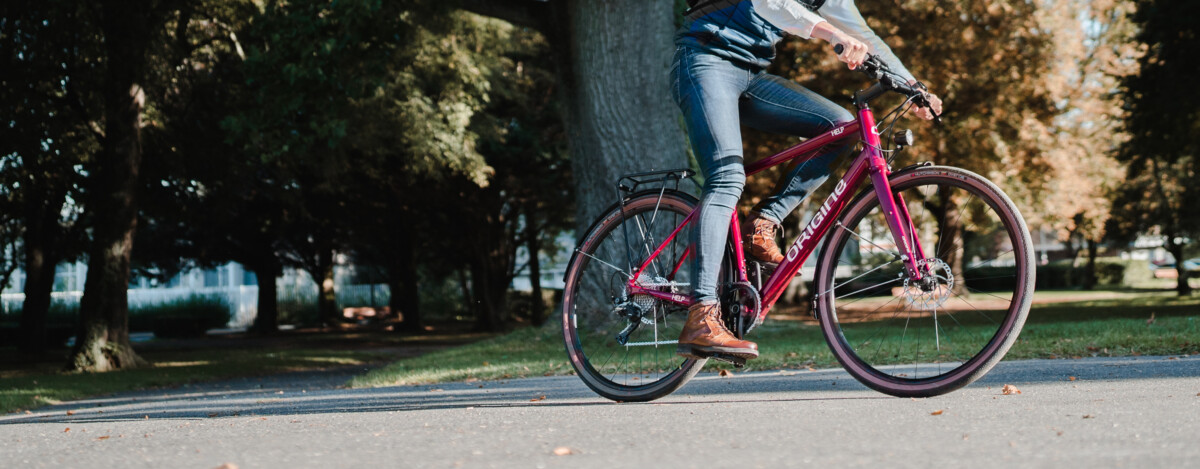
{"points": [[804, 246]]}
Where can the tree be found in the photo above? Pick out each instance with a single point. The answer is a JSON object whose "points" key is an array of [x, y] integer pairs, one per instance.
{"points": [[1093, 41], [50, 53], [612, 59], [989, 62], [1163, 185]]}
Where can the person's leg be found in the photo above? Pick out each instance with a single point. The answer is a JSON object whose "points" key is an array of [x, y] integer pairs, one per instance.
{"points": [[777, 105], [707, 89]]}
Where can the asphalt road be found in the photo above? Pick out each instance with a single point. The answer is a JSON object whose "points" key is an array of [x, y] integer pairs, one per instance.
{"points": [[1118, 412]]}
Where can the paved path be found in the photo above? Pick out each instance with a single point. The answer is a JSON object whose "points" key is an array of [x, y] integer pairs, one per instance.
{"points": [[1121, 412]]}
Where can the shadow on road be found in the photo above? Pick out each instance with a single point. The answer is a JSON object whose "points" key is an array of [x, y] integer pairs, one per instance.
{"points": [[300, 394]]}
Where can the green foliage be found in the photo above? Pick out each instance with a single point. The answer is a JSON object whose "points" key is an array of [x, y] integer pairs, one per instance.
{"points": [[189, 317], [1163, 179]]}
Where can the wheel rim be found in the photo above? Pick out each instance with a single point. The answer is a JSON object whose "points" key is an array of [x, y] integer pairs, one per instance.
{"points": [[596, 306], [922, 336]]}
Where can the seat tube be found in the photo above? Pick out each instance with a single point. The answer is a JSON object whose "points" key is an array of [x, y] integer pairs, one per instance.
{"points": [[877, 167]]}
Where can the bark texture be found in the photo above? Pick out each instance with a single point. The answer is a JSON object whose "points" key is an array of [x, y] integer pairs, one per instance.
{"points": [[266, 321], [42, 235], [103, 336], [619, 116]]}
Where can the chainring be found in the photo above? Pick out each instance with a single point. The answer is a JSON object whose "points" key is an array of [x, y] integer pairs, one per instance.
{"points": [[740, 306]]}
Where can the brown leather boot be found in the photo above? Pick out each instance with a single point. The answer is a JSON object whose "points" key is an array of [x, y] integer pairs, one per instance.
{"points": [[705, 334], [759, 239]]}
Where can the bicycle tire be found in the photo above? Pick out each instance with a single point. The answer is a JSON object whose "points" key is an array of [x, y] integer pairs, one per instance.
{"points": [[629, 382], [865, 341]]}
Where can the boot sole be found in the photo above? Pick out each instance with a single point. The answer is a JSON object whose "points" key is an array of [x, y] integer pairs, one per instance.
{"points": [[698, 351]]}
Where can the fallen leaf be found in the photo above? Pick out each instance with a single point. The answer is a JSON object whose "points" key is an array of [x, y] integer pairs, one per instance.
{"points": [[486, 363], [227, 465], [67, 430], [966, 436], [811, 369], [539, 398], [436, 390], [214, 414], [1070, 378], [1009, 389], [725, 373], [936, 412], [1088, 416], [105, 437], [70, 412], [563, 451], [1151, 320], [1172, 358], [145, 417]]}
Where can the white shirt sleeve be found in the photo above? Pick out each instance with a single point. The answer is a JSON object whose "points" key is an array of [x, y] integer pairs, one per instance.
{"points": [[789, 16], [845, 16]]}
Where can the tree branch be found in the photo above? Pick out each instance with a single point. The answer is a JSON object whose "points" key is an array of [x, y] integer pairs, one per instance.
{"points": [[528, 13]]}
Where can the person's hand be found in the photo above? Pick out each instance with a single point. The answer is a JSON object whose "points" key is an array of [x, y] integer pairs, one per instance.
{"points": [[854, 52], [935, 107]]}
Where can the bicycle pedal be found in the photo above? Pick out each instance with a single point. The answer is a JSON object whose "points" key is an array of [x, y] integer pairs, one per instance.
{"points": [[738, 362]]}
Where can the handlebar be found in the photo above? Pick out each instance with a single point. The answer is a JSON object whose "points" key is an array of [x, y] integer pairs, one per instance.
{"points": [[875, 68]]}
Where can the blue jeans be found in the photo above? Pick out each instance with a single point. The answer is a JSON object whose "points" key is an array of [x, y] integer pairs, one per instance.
{"points": [[717, 97]]}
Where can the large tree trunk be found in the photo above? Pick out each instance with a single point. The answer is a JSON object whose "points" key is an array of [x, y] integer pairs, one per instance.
{"points": [[41, 259], [102, 342], [614, 57], [266, 320], [1089, 269], [950, 240]]}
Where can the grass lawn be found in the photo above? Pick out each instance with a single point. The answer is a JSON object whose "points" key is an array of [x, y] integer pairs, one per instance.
{"points": [[25, 384], [1062, 324]]}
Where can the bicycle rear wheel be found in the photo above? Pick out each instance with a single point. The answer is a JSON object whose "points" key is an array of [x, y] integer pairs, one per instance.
{"points": [[916, 339], [622, 345]]}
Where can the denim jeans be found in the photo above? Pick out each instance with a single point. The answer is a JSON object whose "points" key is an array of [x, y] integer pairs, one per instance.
{"points": [[717, 97]]}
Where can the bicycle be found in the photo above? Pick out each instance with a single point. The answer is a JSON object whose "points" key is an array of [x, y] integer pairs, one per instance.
{"points": [[900, 321]]}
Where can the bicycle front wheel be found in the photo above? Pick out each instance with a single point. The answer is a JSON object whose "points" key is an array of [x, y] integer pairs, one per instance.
{"points": [[622, 345], [920, 338]]}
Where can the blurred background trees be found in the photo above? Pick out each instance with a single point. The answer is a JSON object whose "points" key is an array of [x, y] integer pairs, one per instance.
{"points": [[435, 144]]}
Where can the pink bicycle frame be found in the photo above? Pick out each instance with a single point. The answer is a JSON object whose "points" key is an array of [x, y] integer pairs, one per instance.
{"points": [[870, 163]]}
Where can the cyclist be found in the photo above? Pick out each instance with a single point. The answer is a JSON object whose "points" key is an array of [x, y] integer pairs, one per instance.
{"points": [[719, 82]]}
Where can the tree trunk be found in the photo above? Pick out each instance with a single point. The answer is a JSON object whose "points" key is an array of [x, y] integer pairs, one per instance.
{"points": [[613, 60], [489, 298], [1089, 270], [950, 241], [41, 261], [327, 297], [533, 244], [266, 321], [404, 282], [1181, 285], [102, 342]]}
